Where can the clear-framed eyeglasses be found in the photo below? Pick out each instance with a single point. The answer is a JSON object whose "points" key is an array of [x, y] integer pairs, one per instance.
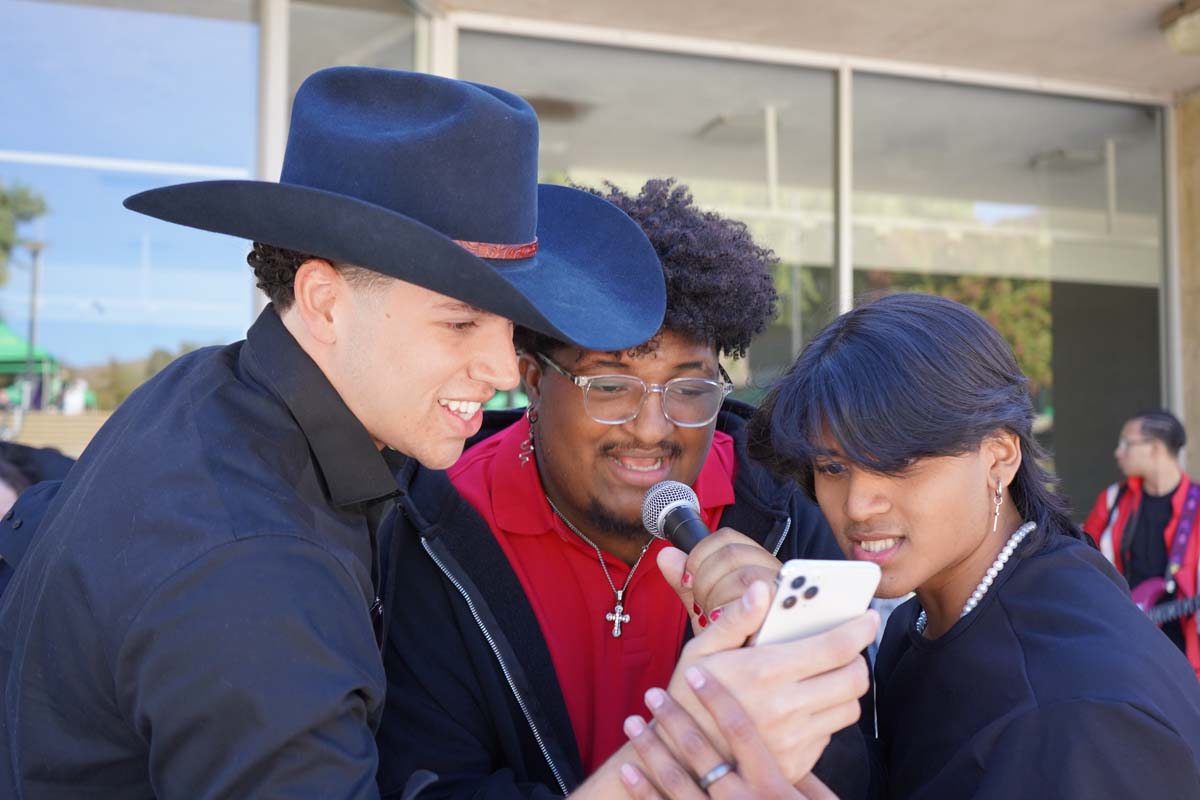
{"points": [[614, 399]]}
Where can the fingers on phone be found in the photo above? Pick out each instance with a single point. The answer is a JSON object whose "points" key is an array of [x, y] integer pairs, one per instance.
{"points": [[730, 585], [838, 717], [823, 653], [812, 696], [736, 623]]}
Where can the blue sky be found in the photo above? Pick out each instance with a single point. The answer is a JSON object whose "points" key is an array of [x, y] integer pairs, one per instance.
{"points": [[146, 87]]}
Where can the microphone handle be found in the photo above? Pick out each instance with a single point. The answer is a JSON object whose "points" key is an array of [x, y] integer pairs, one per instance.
{"points": [[685, 530]]}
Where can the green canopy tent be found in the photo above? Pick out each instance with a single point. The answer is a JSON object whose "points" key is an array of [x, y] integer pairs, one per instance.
{"points": [[14, 351], [13, 354]]}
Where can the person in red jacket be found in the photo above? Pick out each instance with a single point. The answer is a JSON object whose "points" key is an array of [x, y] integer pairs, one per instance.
{"points": [[1145, 523]]}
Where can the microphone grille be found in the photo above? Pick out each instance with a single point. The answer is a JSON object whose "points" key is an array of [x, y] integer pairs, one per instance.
{"points": [[662, 495]]}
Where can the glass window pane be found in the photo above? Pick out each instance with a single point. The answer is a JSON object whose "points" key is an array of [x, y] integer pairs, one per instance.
{"points": [[1042, 212], [753, 141], [329, 34], [113, 99]]}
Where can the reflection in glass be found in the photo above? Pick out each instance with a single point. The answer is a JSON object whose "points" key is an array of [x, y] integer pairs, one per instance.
{"points": [[1044, 214], [139, 99], [324, 33], [752, 141]]}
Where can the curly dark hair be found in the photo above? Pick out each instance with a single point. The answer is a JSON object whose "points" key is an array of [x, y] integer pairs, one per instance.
{"points": [[275, 268], [719, 284]]}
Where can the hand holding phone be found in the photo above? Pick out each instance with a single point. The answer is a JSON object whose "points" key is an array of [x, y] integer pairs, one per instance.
{"points": [[813, 596]]}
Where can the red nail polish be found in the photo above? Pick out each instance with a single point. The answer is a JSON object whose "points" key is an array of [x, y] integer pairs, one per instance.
{"points": [[703, 620], [687, 578], [714, 615], [696, 609]]}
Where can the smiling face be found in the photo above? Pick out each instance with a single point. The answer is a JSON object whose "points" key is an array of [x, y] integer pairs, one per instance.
{"points": [[415, 366], [923, 528], [597, 474]]}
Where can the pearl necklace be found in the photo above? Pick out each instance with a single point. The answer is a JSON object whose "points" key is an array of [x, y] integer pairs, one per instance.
{"points": [[997, 566]]}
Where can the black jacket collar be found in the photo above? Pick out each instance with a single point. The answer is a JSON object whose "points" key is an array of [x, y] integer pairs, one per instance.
{"points": [[352, 467]]}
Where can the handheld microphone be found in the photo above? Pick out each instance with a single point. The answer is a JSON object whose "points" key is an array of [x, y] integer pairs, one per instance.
{"points": [[671, 511]]}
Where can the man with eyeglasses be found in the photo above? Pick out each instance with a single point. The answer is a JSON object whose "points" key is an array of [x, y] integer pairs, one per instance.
{"points": [[568, 620], [1145, 524]]}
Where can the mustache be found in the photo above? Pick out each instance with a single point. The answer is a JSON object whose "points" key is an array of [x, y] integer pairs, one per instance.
{"points": [[614, 449], [873, 528]]}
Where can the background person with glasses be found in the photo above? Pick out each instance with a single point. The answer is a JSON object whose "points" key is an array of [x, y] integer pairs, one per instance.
{"points": [[1145, 524], [537, 617]]}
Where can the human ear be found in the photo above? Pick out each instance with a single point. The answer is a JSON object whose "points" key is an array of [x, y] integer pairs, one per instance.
{"points": [[317, 288], [1002, 456], [531, 376]]}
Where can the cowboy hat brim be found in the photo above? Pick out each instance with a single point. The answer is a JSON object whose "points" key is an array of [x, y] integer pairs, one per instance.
{"points": [[595, 280]]}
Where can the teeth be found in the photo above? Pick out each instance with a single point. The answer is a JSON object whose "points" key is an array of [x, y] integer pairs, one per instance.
{"points": [[878, 545], [650, 468], [463, 408]]}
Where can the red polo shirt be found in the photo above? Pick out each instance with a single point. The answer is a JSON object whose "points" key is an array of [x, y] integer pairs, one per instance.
{"points": [[602, 678]]}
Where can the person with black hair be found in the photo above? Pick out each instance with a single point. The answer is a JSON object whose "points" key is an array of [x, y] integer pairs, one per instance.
{"points": [[528, 620], [1020, 668], [1145, 524]]}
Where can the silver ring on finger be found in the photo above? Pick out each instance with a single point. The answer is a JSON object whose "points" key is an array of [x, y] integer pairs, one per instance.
{"points": [[715, 774]]}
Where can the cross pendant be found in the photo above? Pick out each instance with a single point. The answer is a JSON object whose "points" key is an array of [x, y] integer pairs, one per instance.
{"points": [[617, 616]]}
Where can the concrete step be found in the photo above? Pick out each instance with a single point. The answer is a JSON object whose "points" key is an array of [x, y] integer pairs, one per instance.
{"points": [[70, 434]]}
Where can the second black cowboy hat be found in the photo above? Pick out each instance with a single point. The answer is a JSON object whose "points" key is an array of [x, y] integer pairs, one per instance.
{"points": [[434, 181]]}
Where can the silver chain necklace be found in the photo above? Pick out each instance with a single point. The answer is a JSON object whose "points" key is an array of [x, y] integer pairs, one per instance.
{"points": [[617, 616], [1013, 541]]}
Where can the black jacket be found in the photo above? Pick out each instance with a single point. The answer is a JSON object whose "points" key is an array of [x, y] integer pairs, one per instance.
{"points": [[1054, 686], [192, 618], [473, 704]]}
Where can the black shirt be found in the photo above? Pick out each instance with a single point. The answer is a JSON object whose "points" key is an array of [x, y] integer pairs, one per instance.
{"points": [[1146, 556], [192, 618], [1056, 685]]}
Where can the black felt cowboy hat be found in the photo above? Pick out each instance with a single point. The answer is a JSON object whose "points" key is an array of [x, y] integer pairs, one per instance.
{"points": [[434, 181]]}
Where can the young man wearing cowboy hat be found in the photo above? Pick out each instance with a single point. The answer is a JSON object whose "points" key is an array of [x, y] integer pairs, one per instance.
{"points": [[198, 615]]}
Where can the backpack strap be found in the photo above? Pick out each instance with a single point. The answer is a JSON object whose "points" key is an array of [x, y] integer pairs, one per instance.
{"points": [[1112, 499]]}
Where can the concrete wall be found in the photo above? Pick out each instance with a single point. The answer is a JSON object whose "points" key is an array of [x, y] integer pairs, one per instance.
{"points": [[1187, 179]]}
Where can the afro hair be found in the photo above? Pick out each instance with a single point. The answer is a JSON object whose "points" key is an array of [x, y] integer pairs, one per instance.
{"points": [[719, 284]]}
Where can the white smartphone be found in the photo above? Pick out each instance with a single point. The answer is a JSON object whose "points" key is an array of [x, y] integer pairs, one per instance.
{"points": [[813, 596]]}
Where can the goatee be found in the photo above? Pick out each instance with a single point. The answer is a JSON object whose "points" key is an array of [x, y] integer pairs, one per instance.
{"points": [[607, 522]]}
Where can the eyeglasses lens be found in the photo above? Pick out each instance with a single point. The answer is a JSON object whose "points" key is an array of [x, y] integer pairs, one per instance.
{"points": [[686, 401]]}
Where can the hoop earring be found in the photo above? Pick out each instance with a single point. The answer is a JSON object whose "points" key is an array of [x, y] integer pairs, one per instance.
{"points": [[525, 452], [998, 500]]}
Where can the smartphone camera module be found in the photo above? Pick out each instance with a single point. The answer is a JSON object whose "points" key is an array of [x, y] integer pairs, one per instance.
{"points": [[789, 601], [810, 592], [797, 582]]}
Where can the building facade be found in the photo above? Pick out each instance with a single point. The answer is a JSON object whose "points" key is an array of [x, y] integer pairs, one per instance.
{"points": [[1063, 210]]}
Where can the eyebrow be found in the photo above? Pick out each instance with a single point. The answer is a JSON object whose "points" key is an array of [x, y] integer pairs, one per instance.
{"points": [[583, 363], [614, 364], [457, 306]]}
